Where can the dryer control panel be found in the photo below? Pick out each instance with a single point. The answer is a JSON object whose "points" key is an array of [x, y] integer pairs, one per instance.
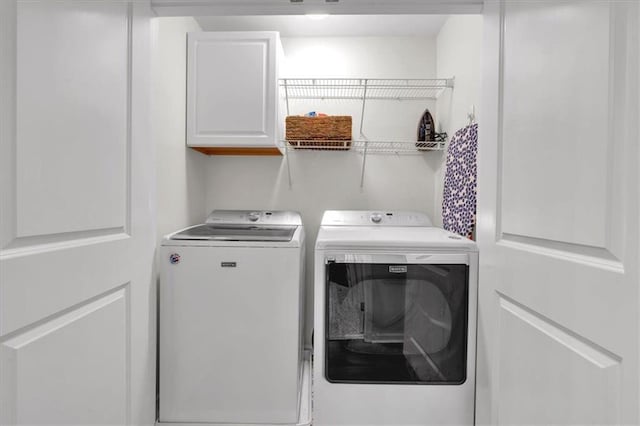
{"points": [[374, 218]]}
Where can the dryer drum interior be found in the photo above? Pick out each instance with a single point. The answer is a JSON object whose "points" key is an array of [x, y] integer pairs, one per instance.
{"points": [[396, 323]]}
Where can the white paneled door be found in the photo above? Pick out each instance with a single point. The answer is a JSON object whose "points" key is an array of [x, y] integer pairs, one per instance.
{"points": [[77, 334], [558, 214]]}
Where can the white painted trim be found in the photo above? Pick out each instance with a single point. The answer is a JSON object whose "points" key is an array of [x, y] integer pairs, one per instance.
{"points": [[634, 158], [488, 210], [344, 7], [142, 226]]}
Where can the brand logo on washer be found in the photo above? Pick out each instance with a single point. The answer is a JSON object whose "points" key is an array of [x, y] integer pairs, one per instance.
{"points": [[397, 269], [174, 258]]}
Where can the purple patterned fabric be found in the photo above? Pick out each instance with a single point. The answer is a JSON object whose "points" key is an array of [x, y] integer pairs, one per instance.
{"points": [[459, 198]]}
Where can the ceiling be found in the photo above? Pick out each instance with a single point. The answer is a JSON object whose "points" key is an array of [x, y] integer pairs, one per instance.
{"points": [[332, 25]]}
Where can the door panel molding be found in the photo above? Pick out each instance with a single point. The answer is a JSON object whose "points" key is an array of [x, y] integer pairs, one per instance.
{"points": [[32, 296], [582, 346], [8, 30], [621, 119], [22, 246], [129, 118], [581, 386], [610, 236], [82, 308], [42, 358], [596, 257], [33, 225]]}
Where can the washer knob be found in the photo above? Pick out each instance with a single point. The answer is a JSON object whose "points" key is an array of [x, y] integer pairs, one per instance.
{"points": [[376, 218], [254, 216]]}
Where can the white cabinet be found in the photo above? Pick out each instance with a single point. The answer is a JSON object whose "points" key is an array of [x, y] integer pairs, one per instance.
{"points": [[231, 92]]}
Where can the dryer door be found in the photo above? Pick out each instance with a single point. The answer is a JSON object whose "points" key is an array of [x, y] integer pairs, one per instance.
{"points": [[396, 322]]}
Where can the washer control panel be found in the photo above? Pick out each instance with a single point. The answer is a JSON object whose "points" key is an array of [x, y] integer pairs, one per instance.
{"points": [[256, 217]]}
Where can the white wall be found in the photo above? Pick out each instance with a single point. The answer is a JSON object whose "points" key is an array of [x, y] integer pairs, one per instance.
{"points": [[180, 170], [331, 180], [459, 45], [357, 57], [364, 57]]}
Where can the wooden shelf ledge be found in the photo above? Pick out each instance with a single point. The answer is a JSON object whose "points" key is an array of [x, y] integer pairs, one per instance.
{"points": [[208, 150]]}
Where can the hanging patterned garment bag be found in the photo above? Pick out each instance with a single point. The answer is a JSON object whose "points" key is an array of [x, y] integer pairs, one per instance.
{"points": [[459, 197]]}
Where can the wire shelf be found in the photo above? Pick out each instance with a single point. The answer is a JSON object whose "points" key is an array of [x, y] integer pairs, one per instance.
{"points": [[364, 146], [363, 89]]}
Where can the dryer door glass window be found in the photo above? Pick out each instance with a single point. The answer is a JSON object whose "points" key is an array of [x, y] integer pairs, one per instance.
{"points": [[396, 323]]}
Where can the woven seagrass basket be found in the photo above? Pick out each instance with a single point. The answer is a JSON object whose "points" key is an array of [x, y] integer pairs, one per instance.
{"points": [[330, 132]]}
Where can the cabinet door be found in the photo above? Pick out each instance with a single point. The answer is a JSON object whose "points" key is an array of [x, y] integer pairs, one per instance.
{"points": [[231, 89]]}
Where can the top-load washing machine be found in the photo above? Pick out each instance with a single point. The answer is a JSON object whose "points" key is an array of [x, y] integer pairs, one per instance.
{"points": [[394, 321], [231, 313]]}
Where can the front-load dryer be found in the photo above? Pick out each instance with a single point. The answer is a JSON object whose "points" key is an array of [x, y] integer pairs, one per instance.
{"points": [[394, 321], [230, 331]]}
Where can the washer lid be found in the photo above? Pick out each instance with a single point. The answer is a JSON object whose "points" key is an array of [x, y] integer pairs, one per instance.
{"points": [[222, 232]]}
